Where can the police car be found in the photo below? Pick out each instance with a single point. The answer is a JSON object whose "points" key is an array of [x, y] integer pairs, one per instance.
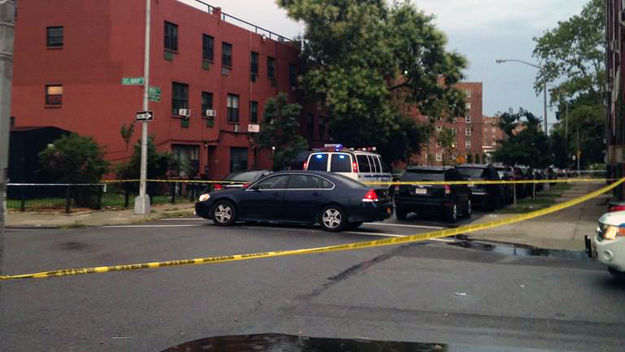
{"points": [[608, 245], [363, 165]]}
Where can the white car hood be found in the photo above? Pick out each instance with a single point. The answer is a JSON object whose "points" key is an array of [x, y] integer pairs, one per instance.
{"points": [[616, 218]]}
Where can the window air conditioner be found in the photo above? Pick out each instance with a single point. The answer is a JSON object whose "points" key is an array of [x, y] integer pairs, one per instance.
{"points": [[211, 113], [184, 112], [237, 128]]}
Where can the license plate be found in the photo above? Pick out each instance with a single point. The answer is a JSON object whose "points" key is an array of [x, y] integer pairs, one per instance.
{"points": [[420, 191]]}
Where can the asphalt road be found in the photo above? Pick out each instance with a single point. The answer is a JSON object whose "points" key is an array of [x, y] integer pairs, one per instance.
{"points": [[475, 295]]}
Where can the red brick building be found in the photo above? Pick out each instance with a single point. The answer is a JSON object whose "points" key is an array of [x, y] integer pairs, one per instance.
{"points": [[468, 131], [71, 57], [491, 133]]}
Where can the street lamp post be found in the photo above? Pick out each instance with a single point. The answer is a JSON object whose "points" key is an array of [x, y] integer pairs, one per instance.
{"points": [[500, 61], [142, 202]]}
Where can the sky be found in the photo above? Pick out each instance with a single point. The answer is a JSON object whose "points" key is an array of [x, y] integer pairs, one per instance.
{"points": [[482, 30]]}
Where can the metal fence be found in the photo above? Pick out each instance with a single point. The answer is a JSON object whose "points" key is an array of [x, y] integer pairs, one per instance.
{"points": [[42, 196]]}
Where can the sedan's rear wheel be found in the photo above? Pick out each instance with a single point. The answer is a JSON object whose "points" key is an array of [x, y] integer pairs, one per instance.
{"points": [[224, 213], [332, 218], [469, 210], [452, 213]]}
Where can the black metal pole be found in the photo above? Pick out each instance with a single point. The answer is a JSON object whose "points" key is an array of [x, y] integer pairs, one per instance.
{"points": [[23, 200], [67, 199]]}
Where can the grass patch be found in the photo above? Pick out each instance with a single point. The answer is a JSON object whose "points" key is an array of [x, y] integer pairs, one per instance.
{"points": [[74, 225], [543, 200]]}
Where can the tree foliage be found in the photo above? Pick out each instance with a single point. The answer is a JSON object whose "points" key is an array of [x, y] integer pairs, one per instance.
{"points": [[74, 159], [279, 131], [526, 144], [447, 140], [159, 164], [573, 54], [364, 59]]}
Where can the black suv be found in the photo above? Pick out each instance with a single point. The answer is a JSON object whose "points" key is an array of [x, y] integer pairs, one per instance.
{"points": [[447, 200], [490, 196]]}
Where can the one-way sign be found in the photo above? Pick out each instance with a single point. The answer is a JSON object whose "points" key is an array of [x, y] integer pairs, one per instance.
{"points": [[144, 116]]}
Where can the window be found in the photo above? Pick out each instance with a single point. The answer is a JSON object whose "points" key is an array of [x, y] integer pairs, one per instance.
{"points": [[171, 36], [207, 104], [54, 38], [494, 143], [254, 63], [454, 131], [189, 155], [271, 67], [454, 120], [238, 159], [439, 156], [467, 119], [309, 182], [179, 98], [375, 167], [439, 128], [493, 129], [468, 106], [226, 54], [341, 163], [322, 126], [467, 132], [468, 93], [275, 182], [310, 124], [363, 163], [467, 144], [438, 144], [54, 95], [318, 162], [293, 75], [253, 112], [233, 108], [208, 44]]}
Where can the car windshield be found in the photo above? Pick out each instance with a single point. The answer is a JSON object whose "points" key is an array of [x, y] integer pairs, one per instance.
{"points": [[473, 173], [423, 175]]}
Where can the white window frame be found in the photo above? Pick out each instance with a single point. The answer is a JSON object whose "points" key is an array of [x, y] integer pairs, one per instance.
{"points": [[438, 144], [439, 156], [468, 106], [467, 132], [439, 128], [468, 93], [454, 130], [467, 144], [467, 119]]}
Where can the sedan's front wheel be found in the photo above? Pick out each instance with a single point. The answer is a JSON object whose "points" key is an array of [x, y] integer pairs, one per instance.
{"points": [[224, 213], [332, 218]]}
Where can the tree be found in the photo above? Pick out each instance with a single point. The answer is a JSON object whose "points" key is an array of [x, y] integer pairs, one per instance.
{"points": [[365, 61], [159, 164], [126, 133], [526, 143], [74, 159], [573, 55], [447, 139], [279, 131]]}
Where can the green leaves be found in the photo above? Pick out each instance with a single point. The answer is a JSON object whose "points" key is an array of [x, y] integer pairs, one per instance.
{"points": [[365, 60], [526, 143], [74, 159], [279, 131]]}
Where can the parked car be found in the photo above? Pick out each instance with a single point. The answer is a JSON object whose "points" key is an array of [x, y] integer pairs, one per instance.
{"points": [[362, 166], [334, 201], [608, 244], [242, 178], [451, 201], [490, 196], [506, 173], [528, 175]]}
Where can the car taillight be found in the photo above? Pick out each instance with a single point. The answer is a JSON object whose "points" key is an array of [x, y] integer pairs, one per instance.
{"points": [[217, 187], [447, 190], [355, 167], [371, 196], [305, 166], [246, 185], [616, 208]]}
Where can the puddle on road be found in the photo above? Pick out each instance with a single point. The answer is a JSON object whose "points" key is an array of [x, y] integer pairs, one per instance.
{"points": [[290, 343], [517, 250]]}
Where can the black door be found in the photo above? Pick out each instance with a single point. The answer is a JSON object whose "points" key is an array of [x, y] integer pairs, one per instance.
{"points": [[305, 196], [265, 200]]}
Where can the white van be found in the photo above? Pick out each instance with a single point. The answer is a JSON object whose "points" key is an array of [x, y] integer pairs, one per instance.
{"points": [[362, 166]]}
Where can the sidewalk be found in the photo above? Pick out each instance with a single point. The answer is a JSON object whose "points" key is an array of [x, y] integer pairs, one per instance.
{"points": [[561, 230], [56, 219]]}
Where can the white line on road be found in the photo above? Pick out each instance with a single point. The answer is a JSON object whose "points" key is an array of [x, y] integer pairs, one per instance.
{"points": [[374, 234], [148, 226], [405, 225], [184, 219]]}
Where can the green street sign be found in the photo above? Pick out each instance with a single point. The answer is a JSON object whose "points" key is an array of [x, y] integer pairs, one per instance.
{"points": [[133, 81], [154, 90], [154, 97]]}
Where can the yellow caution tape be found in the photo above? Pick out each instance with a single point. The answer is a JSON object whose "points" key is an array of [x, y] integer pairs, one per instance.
{"points": [[173, 181], [342, 247], [485, 182]]}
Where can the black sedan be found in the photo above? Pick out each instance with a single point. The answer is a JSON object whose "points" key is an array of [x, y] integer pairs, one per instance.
{"points": [[334, 201], [240, 179]]}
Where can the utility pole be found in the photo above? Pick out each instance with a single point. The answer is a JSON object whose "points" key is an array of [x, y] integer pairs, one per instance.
{"points": [[7, 21], [142, 202]]}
